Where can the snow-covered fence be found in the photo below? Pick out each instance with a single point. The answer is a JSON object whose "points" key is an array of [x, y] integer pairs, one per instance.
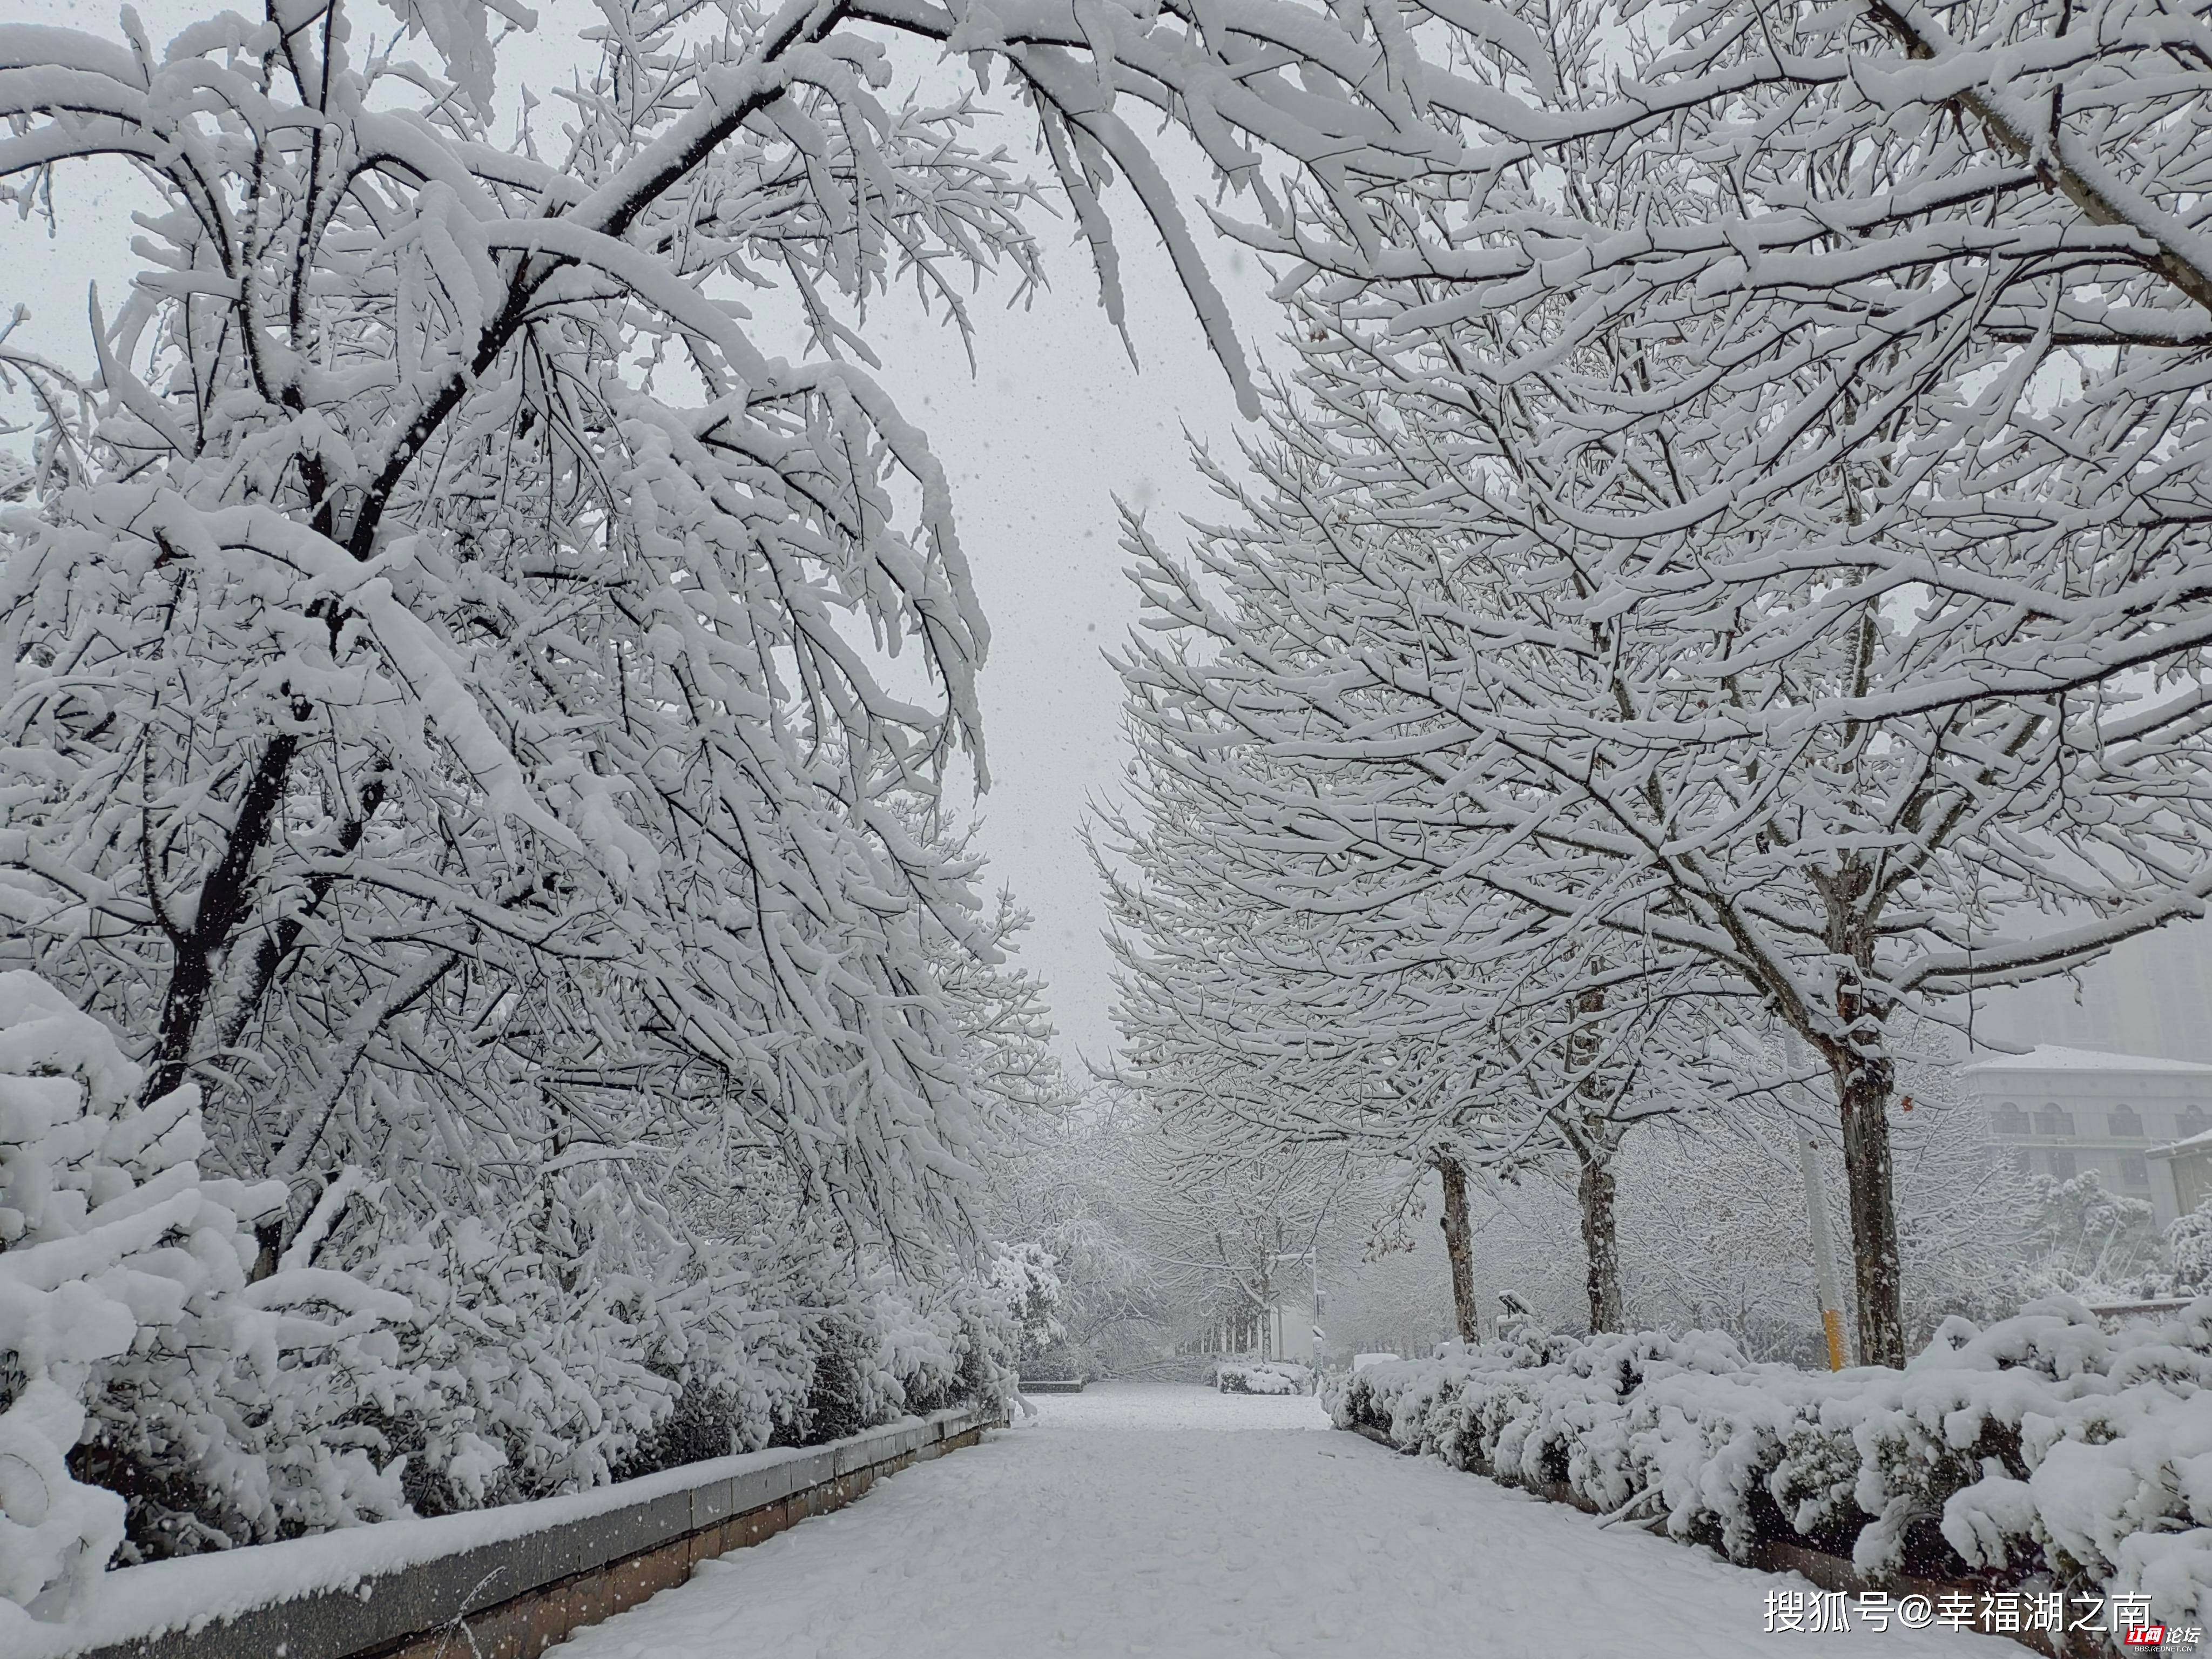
{"points": [[2044, 1457], [520, 1578]]}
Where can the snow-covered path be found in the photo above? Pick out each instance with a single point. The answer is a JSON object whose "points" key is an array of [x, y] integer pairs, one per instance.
{"points": [[1174, 1522]]}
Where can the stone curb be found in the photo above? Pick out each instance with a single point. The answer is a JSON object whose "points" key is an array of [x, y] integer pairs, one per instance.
{"points": [[517, 1597]]}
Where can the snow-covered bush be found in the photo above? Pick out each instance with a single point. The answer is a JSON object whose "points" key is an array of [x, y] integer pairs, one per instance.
{"points": [[598, 1339], [2042, 1450], [131, 1343], [60, 1084], [2189, 1251], [1025, 1281], [2080, 1240], [1261, 1377], [164, 1389], [882, 1353]]}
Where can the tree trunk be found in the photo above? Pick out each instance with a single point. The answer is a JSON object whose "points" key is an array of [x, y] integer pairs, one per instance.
{"points": [[225, 898], [1593, 1141], [1593, 1188], [279, 944], [1863, 1094], [1459, 1246]]}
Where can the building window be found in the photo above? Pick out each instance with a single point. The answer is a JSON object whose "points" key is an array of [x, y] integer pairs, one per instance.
{"points": [[2125, 1124], [2135, 1172], [2193, 1121], [2062, 1165], [2053, 1120], [2011, 1120], [2020, 1160]]}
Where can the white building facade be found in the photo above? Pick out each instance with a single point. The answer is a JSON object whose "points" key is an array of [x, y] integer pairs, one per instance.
{"points": [[2148, 997], [2062, 1111], [2186, 1169]]}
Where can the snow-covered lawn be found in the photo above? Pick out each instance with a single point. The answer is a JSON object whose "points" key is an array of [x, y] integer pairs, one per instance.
{"points": [[1171, 1520]]}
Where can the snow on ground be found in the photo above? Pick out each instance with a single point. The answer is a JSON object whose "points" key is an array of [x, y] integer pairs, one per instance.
{"points": [[1168, 1520], [1167, 1407]]}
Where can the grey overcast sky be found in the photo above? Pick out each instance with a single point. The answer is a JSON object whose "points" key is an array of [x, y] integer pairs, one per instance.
{"points": [[1052, 424]]}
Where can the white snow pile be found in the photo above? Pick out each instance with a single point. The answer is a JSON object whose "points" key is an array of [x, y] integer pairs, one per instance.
{"points": [[164, 1390], [1261, 1377], [2042, 1452]]}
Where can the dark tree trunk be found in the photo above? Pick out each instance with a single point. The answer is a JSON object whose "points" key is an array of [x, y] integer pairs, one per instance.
{"points": [[1863, 1094], [1459, 1246], [1593, 1188], [1592, 1139], [225, 898]]}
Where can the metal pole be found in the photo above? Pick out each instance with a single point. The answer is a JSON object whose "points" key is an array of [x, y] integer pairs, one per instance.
{"points": [[1824, 1252], [1317, 1322]]}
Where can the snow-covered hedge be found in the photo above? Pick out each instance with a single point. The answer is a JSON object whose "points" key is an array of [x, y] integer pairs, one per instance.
{"points": [[1262, 1376], [130, 1333], [165, 1389], [2043, 1450]]}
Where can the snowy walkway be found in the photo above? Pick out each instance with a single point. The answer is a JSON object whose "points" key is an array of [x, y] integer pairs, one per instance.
{"points": [[1175, 1521]]}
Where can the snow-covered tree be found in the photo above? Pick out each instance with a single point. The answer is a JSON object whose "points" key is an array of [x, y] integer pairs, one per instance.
{"points": [[1840, 324], [1258, 1025], [1230, 1234], [1777, 454], [1274, 997], [449, 652], [1073, 1188], [2083, 1241], [475, 714], [1403, 658], [1948, 254]]}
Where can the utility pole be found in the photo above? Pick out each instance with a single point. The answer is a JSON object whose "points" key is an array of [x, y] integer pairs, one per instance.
{"points": [[1312, 1259], [1823, 1251], [1816, 1221], [1313, 1263]]}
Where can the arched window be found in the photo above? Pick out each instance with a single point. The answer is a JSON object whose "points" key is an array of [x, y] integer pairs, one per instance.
{"points": [[2054, 1119], [2193, 1121], [2126, 1124], [2010, 1119]]}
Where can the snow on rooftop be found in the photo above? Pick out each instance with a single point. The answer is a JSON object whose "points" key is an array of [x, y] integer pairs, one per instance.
{"points": [[2049, 1057]]}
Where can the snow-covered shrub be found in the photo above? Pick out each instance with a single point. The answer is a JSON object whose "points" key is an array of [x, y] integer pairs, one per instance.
{"points": [[2189, 1252], [595, 1339], [1261, 1377], [1025, 1281], [60, 1085], [158, 1397], [2094, 1451], [579, 1340], [131, 1343], [2080, 1240], [2042, 1450]]}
